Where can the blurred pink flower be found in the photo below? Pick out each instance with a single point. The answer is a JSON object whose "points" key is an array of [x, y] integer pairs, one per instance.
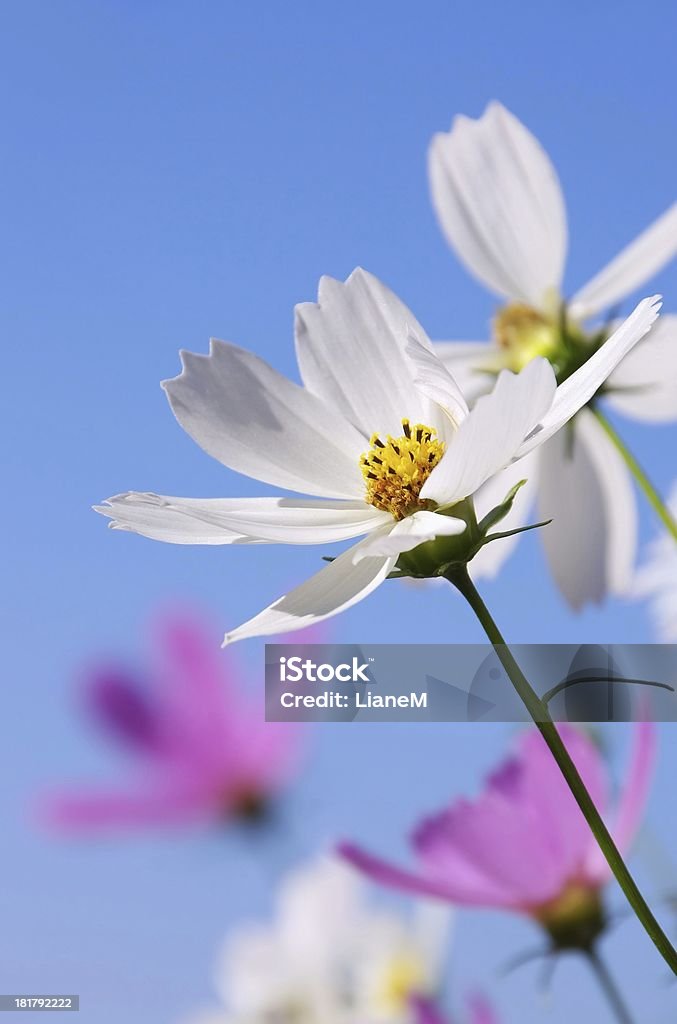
{"points": [[427, 1012], [524, 845], [202, 746]]}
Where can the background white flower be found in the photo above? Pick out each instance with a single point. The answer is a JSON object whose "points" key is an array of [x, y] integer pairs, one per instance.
{"points": [[656, 580], [328, 957], [500, 205], [379, 430]]}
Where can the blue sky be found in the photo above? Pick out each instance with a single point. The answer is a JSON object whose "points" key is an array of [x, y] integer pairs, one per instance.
{"points": [[178, 170]]}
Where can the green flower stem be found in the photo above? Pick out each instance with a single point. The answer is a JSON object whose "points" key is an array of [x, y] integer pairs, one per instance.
{"points": [[647, 488], [538, 710], [609, 987]]}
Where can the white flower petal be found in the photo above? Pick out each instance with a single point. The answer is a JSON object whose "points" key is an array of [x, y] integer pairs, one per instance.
{"points": [[431, 930], [350, 348], [584, 487], [492, 557], [500, 204], [408, 534], [467, 362], [579, 388], [491, 435], [241, 520], [256, 974], [299, 958], [634, 265], [320, 906], [656, 579], [171, 520], [644, 386], [338, 586], [434, 380], [210, 1017], [255, 421]]}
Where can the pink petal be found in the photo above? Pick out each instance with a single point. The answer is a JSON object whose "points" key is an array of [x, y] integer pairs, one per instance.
{"points": [[585, 755], [98, 811], [383, 873], [517, 846], [632, 802], [267, 752], [209, 746], [481, 1012], [122, 706], [493, 850], [425, 1011], [193, 683], [260, 761], [524, 838], [547, 802], [212, 722]]}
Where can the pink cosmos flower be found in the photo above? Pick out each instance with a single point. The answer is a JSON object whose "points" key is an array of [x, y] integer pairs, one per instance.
{"points": [[524, 845], [203, 748], [427, 1012]]}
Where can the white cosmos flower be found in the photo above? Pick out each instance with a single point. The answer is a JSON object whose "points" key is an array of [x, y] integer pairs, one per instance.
{"points": [[328, 957], [500, 205], [380, 431], [656, 580]]}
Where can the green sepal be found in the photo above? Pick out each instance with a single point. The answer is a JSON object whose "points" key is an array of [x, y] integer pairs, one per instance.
{"points": [[501, 511], [518, 529], [445, 554]]}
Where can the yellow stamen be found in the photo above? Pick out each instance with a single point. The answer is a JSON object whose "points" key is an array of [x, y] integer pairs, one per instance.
{"points": [[396, 469], [522, 333], [404, 976]]}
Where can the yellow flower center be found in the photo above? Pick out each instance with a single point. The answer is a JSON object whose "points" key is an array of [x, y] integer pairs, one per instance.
{"points": [[575, 918], [522, 333], [404, 976], [396, 469]]}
